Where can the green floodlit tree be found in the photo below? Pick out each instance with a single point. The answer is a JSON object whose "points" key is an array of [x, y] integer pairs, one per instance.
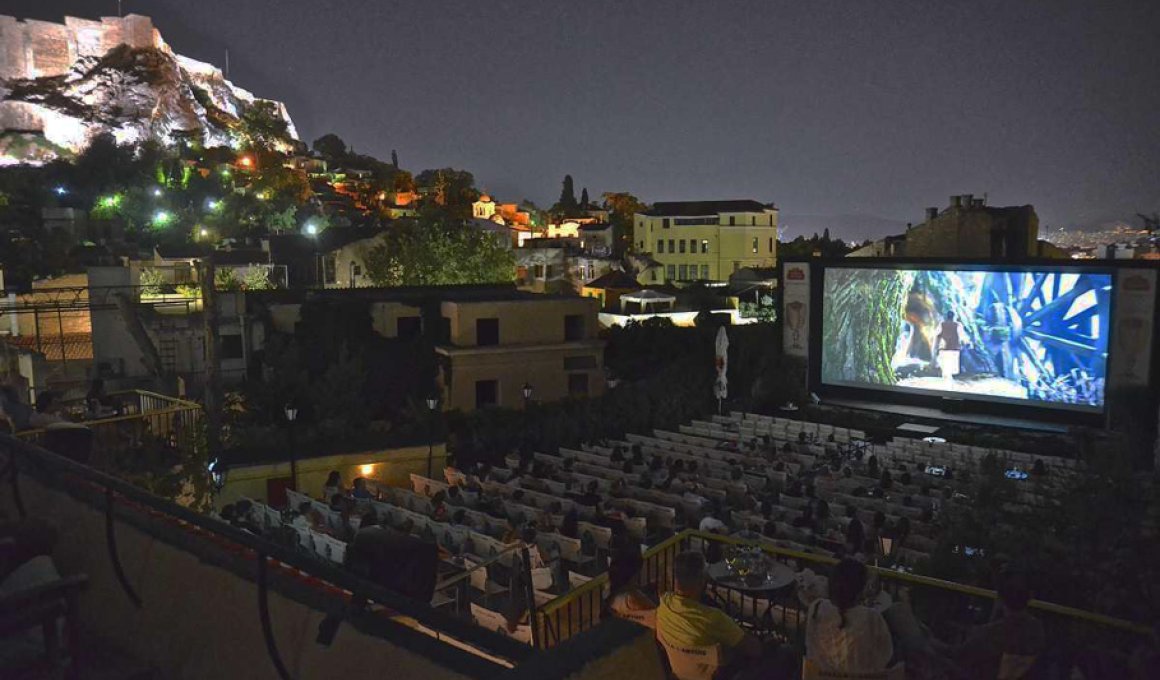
{"points": [[437, 254], [257, 278]]}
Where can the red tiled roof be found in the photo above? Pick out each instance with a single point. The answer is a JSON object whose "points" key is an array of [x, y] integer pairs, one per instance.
{"points": [[75, 346]]}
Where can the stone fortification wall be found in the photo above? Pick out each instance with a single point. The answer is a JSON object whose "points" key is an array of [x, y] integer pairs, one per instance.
{"points": [[36, 49]]}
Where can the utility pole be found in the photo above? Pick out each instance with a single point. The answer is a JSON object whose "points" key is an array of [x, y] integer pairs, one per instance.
{"points": [[213, 389]]}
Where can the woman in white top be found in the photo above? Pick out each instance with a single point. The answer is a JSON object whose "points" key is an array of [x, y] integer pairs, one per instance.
{"points": [[842, 635]]}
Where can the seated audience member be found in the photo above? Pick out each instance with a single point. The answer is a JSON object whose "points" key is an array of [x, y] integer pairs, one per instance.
{"points": [[711, 523], [439, 506], [360, 491], [684, 621], [570, 526], [333, 485], [591, 496], [842, 635], [623, 567], [1012, 631]]}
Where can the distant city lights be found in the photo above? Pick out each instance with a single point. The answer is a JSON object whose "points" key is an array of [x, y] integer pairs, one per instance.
{"points": [[162, 217], [110, 201], [311, 228], [60, 191], [213, 204], [246, 162], [157, 191], [203, 232]]}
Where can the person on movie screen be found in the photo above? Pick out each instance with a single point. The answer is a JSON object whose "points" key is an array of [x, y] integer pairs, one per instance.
{"points": [[949, 346]]}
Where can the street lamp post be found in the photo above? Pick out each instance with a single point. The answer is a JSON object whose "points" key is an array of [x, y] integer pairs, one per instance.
{"points": [[527, 395], [291, 416], [432, 404]]}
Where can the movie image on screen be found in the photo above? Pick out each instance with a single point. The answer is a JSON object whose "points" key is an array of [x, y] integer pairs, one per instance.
{"points": [[1034, 335]]}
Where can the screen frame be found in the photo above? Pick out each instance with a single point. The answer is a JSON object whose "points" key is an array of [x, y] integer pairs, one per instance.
{"points": [[958, 402]]}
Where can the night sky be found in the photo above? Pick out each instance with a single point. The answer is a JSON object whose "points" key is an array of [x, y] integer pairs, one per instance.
{"points": [[868, 108]]}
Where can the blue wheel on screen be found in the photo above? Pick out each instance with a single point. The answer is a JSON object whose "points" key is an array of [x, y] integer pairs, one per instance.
{"points": [[1049, 331]]}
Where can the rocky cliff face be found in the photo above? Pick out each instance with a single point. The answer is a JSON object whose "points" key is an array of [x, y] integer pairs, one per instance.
{"points": [[135, 90]]}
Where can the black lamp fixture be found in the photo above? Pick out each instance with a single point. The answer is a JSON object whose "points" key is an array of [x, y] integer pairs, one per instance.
{"points": [[432, 402], [291, 413], [528, 391]]}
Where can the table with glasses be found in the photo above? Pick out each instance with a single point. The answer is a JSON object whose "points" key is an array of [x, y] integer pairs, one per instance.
{"points": [[755, 577]]}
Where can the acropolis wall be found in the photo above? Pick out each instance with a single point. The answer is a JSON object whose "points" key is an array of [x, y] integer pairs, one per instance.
{"points": [[35, 49]]}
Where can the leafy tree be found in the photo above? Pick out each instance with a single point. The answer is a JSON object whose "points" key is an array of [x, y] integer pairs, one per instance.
{"points": [[584, 198], [454, 190], [151, 281], [806, 247], [227, 279], [257, 278], [263, 126], [622, 206], [434, 253], [394, 158], [330, 146]]}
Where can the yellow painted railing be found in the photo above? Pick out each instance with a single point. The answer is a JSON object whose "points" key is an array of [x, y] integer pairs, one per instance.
{"points": [[580, 609]]}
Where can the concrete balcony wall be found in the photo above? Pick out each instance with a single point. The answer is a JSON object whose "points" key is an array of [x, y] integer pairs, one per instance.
{"points": [[199, 617]]}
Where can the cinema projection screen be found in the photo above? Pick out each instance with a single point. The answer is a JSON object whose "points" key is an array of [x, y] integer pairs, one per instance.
{"points": [[1036, 336]]}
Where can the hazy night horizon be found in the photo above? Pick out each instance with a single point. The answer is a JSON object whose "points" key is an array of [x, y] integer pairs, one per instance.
{"points": [[835, 109]]}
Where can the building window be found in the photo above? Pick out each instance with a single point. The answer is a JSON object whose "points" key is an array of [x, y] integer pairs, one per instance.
{"points": [[408, 327], [486, 332], [704, 272], [671, 272], [660, 245], [771, 244], [704, 245], [753, 220], [665, 223], [486, 393], [573, 327], [232, 347], [538, 271], [548, 273], [681, 244], [684, 272], [578, 384], [732, 220], [672, 246], [755, 245], [654, 274]]}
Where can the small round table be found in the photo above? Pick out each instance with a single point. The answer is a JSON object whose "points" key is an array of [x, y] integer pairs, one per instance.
{"points": [[780, 580]]}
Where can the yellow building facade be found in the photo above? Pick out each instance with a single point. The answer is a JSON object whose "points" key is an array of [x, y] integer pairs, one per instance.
{"points": [[498, 346], [705, 240]]}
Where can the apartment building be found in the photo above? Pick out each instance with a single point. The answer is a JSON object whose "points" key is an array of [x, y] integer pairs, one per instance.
{"points": [[705, 240], [499, 345]]}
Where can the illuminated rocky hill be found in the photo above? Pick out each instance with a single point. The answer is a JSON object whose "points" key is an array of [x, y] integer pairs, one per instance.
{"points": [[61, 84]]}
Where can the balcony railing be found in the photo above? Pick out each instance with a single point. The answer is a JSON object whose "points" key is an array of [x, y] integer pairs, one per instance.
{"points": [[141, 604], [137, 419], [944, 605]]}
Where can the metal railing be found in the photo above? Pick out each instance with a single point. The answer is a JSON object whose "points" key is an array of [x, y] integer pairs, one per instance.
{"points": [[143, 419], [124, 503], [944, 605]]}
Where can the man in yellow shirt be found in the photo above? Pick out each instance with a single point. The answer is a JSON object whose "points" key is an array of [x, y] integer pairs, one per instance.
{"points": [[683, 621]]}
